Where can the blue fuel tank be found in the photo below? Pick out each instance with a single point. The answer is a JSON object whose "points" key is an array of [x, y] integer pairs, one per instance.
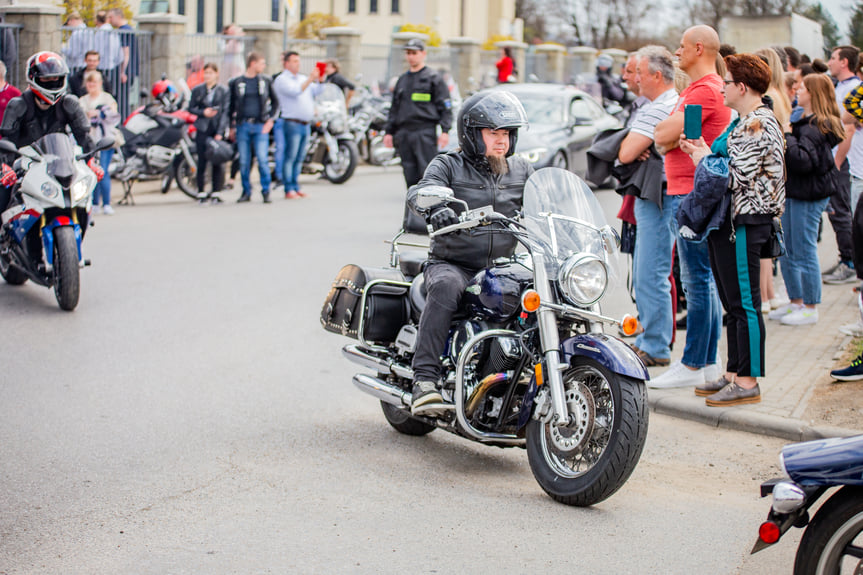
{"points": [[494, 294]]}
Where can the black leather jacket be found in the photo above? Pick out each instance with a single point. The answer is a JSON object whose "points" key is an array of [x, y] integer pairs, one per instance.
{"points": [[218, 124], [809, 162], [475, 184], [23, 124]]}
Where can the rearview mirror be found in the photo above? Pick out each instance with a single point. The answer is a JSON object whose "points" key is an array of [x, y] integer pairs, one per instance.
{"points": [[7, 146], [104, 143], [430, 196]]}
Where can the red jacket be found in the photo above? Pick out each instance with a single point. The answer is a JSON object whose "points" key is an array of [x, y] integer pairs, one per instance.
{"points": [[504, 69]]}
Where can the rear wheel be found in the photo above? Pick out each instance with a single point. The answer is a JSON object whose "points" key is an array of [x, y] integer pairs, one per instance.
{"points": [[186, 177], [66, 277], [588, 460], [833, 541], [402, 421], [342, 169]]}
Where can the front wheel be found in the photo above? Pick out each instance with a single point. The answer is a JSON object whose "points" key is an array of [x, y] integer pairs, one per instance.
{"points": [[403, 422], [342, 169], [587, 461], [66, 278], [833, 542], [186, 177]]}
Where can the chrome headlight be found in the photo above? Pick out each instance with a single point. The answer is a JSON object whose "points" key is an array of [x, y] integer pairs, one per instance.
{"points": [[583, 279], [82, 187], [534, 155], [50, 191], [336, 127]]}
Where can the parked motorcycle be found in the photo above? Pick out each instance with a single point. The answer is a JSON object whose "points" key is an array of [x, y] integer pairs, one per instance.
{"points": [[158, 146], [331, 150], [833, 540], [47, 218], [367, 125], [526, 362]]}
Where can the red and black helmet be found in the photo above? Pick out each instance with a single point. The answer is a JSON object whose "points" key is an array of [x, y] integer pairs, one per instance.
{"points": [[46, 76]]}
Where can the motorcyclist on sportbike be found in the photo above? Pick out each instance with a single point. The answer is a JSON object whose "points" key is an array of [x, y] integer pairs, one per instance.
{"points": [[44, 108], [482, 172]]}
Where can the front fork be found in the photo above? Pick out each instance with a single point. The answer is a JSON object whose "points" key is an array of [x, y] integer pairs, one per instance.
{"points": [[46, 230], [550, 342]]}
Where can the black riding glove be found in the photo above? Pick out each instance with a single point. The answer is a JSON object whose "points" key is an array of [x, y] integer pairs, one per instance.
{"points": [[442, 217]]}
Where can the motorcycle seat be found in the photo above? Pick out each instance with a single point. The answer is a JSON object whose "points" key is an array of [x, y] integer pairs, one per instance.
{"points": [[411, 263], [417, 296]]}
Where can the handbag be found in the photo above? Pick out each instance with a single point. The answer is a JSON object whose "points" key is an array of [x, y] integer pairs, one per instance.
{"points": [[774, 247]]}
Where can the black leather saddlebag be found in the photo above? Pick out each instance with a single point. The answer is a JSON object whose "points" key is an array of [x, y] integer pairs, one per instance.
{"points": [[372, 295]]}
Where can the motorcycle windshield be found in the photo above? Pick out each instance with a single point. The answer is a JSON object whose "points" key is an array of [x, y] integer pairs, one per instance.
{"points": [[563, 212], [58, 153], [331, 100]]}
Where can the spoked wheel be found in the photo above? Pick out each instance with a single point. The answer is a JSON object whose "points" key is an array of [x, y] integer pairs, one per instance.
{"points": [[833, 542], [66, 277], [186, 178], [403, 422], [591, 458], [342, 169]]}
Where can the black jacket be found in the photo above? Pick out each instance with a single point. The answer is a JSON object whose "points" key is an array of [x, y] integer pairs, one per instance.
{"points": [[77, 87], [269, 107], [218, 124], [475, 184], [23, 124], [811, 173], [420, 100]]}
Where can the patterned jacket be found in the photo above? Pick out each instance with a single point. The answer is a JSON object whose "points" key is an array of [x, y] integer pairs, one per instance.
{"points": [[852, 102], [756, 150]]}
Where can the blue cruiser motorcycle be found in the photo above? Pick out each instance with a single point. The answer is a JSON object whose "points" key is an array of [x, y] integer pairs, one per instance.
{"points": [[833, 540], [526, 362]]}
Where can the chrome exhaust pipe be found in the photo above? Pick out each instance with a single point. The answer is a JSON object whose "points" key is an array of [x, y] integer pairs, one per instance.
{"points": [[357, 355], [382, 390]]}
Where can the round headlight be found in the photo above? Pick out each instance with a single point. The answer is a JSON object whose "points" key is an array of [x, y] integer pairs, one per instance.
{"points": [[583, 279], [336, 127], [50, 191]]}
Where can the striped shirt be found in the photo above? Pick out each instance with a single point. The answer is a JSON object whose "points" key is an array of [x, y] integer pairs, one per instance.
{"points": [[653, 113]]}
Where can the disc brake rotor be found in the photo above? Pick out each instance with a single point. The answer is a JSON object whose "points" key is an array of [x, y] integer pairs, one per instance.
{"points": [[582, 410]]}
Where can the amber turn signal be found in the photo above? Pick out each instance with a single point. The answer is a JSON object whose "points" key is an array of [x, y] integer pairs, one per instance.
{"points": [[537, 370], [629, 325], [530, 301]]}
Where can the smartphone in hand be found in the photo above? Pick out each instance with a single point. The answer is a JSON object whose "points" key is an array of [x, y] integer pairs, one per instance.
{"points": [[692, 121]]}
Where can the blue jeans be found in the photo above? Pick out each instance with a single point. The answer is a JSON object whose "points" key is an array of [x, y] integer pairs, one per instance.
{"points": [[800, 267], [279, 138], [296, 138], [703, 307], [651, 268], [103, 189], [251, 136]]}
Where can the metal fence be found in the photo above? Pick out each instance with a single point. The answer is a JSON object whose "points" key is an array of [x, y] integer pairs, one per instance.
{"points": [[9, 34], [227, 52], [311, 51], [114, 47]]}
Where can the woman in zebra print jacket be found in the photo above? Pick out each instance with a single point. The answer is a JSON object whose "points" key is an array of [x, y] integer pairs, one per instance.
{"points": [[755, 147]]}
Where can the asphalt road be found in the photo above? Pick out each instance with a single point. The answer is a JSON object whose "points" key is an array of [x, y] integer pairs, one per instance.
{"points": [[191, 416]]}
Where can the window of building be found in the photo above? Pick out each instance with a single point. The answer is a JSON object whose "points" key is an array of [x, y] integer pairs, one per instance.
{"points": [[394, 7], [220, 16], [200, 23], [352, 6], [303, 8], [274, 10], [373, 6], [156, 6]]}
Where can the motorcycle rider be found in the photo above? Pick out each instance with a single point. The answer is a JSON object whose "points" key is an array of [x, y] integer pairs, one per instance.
{"points": [[482, 172], [45, 107]]}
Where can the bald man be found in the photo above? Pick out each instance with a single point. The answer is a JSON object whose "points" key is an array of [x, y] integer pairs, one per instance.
{"points": [[697, 56]]}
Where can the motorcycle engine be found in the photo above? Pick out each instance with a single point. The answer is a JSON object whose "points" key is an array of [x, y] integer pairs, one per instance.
{"points": [[159, 157]]}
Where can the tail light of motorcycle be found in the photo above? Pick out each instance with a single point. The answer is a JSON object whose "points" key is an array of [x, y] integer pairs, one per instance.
{"points": [[769, 532]]}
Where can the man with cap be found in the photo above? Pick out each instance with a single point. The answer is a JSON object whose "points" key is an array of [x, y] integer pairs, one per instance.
{"points": [[420, 103]]}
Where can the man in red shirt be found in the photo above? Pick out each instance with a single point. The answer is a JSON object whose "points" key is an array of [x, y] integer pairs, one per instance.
{"points": [[697, 56], [7, 91]]}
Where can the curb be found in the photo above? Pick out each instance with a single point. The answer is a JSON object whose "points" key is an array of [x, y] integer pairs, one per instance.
{"points": [[740, 419]]}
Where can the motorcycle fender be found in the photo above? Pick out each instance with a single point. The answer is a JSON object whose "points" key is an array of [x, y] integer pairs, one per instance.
{"points": [[48, 237], [610, 352]]}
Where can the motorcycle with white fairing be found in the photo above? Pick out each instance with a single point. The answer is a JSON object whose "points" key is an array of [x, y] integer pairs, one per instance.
{"points": [[46, 220], [526, 362]]}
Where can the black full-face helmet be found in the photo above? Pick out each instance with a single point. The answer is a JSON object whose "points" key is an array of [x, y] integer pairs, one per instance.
{"points": [[494, 109], [46, 75]]}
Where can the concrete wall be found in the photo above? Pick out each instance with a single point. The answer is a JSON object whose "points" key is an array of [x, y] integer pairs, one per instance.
{"points": [[751, 33]]}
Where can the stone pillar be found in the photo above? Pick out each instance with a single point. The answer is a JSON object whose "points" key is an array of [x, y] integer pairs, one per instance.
{"points": [[348, 42], [167, 46], [518, 50], [269, 38], [552, 57], [466, 62], [398, 64], [41, 31], [619, 57], [584, 61]]}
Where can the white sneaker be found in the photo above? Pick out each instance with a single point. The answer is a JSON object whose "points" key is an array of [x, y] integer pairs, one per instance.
{"points": [[781, 312], [678, 375], [779, 301], [852, 329], [95, 210], [801, 316], [765, 307], [714, 371], [108, 210]]}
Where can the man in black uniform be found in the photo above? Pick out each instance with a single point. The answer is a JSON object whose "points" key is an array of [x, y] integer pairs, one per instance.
{"points": [[44, 108], [420, 103], [483, 172]]}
